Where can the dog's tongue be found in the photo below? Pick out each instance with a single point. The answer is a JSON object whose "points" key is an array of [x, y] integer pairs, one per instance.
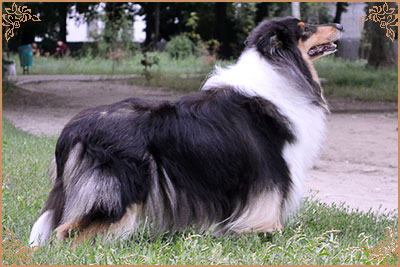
{"points": [[319, 49]]}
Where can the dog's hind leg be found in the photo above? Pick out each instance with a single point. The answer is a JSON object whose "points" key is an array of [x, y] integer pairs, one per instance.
{"points": [[86, 229], [120, 229], [66, 230], [80, 231], [90, 233], [262, 214]]}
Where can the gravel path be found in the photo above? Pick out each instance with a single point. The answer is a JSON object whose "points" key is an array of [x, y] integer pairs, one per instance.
{"points": [[358, 164]]}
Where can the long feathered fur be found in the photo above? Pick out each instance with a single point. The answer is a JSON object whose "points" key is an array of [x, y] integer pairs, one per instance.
{"points": [[231, 157]]}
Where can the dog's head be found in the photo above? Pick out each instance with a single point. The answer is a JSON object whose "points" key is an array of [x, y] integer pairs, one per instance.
{"points": [[290, 43], [285, 36]]}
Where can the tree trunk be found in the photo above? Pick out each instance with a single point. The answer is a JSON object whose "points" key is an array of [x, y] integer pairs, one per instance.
{"points": [[262, 11], [220, 27], [62, 21], [156, 25], [148, 10], [340, 8], [381, 53]]}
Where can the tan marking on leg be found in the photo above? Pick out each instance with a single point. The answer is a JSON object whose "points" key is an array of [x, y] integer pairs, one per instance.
{"points": [[90, 233], [129, 222], [66, 230]]}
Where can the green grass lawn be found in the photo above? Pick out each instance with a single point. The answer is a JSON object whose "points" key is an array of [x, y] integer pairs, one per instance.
{"points": [[319, 234], [344, 79], [356, 80], [97, 65]]}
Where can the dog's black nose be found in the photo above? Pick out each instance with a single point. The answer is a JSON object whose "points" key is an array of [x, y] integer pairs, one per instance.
{"points": [[339, 27]]}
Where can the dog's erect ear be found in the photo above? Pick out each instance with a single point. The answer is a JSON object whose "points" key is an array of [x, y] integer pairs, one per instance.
{"points": [[269, 44]]}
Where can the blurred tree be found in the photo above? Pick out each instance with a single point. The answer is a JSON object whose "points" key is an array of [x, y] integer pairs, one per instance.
{"points": [[262, 11], [173, 19], [316, 13], [266, 10], [63, 9], [193, 23], [340, 8], [382, 51], [206, 20], [172, 15], [54, 17], [89, 10], [206, 48], [229, 23], [244, 22], [52, 27], [115, 40], [147, 9], [113, 13], [157, 23], [221, 28]]}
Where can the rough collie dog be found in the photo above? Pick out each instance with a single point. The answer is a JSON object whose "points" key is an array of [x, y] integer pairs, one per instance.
{"points": [[230, 158]]}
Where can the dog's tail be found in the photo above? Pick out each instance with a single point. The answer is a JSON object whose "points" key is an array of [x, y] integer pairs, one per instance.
{"points": [[42, 229], [92, 190], [51, 213]]}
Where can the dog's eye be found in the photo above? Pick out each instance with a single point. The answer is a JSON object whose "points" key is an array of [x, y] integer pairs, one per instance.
{"points": [[306, 31]]}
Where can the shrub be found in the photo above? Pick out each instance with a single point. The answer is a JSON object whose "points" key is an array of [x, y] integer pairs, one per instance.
{"points": [[180, 46]]}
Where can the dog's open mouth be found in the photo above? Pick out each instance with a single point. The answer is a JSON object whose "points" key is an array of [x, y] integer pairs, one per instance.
{"points": [[321, 49]]}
